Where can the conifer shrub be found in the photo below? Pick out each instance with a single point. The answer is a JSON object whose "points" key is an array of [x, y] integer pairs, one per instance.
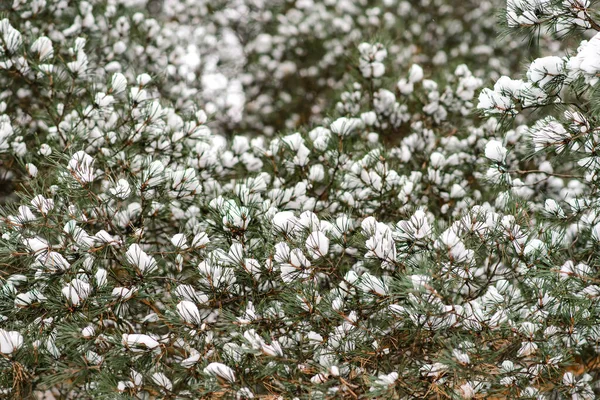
{"points": [[299, 199]]}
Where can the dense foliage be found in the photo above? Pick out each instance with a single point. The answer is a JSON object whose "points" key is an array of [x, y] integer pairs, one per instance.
{"points": [[305, 199]]}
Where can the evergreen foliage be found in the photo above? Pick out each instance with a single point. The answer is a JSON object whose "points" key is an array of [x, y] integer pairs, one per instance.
{"points": [[299, 199]]}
